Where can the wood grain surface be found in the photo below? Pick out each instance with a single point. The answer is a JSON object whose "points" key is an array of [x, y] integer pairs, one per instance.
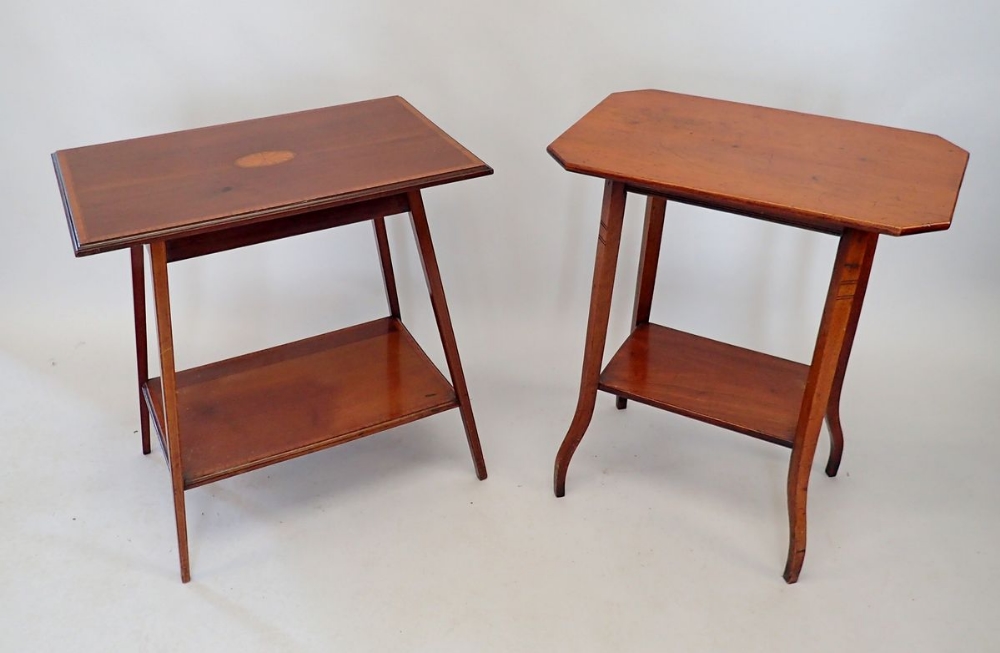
{"points": [[145, 189], [279, 403], [711, 381], [822, 173]]}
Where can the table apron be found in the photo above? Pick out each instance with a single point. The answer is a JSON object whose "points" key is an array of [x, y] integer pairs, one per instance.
{"points": [[798, 221], [210, 242]]}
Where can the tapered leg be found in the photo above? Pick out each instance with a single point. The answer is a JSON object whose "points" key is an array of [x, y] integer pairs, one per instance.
{"points": [[833, 407], [168, 378], [141, 351], [853, 255], [385, 258], [422, 233], [649, 258], [608, 241]]}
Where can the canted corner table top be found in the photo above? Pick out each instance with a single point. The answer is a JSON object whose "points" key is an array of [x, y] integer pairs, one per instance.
{"points": [[814, 171], [136, 191]]}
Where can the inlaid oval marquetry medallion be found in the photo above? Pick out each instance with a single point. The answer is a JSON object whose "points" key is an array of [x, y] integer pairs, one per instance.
{"points": [[267, 158]]}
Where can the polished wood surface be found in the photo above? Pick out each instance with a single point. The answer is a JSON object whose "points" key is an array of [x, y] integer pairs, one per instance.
{"points": [[168, 420], [247, 412], [606, 262], [833, 405], [200, 244], [211, 190], [849, 179], [135, 191], [711, 381], [435, 288], [385, 261], [141, 343], [649, 259], [843, 303], [790, 167]]}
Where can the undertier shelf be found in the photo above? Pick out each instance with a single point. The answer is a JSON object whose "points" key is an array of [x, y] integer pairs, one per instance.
{"points": [[711, 381], [261, 408]]}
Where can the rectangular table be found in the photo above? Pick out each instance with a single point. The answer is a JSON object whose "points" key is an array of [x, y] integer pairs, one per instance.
{"points": [[202, 191]]}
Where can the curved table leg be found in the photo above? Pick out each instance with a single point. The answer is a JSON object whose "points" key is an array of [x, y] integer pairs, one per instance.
{"points": [[843, 303], [609, 239], [836, 437], [833, 407]]}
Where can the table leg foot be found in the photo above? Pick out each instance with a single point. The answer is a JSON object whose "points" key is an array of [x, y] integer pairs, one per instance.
{"points": [[798, 489], [472, 437], [836, 441], [794, 564], [621, 403], [581, 420], [180, 515]]}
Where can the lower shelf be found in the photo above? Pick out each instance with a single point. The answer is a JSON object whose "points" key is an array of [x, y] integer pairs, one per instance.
{"points": [[711, 381], [254, 410]]}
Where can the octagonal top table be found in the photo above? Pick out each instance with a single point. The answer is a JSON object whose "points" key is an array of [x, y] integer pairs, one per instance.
{"points": [[781, 165], [845, 178]]}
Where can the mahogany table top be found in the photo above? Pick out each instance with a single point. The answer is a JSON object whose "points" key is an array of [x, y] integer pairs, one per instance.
{"points": [[158, 187], [813, 171]]}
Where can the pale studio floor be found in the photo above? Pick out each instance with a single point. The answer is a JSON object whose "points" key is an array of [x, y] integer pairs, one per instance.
{"points": [[672, 535]]}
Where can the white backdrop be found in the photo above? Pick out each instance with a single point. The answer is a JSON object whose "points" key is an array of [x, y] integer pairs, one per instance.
{"points": [[516, 249]]}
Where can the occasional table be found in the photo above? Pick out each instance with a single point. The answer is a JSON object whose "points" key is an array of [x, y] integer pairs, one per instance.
{"points": [[848, 179], [203, 191]]}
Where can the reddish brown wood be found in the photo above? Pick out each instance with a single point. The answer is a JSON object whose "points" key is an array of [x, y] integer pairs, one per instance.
{"points": [[780, 165], [649, 258], [273, 405], [210, 190], [842, 302], [839, 177], [428, 260], [161, 187], [608, 244], [171, 421], [141, 345], [200, 244], [711, 381], [833, 407], [385, 259]]}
